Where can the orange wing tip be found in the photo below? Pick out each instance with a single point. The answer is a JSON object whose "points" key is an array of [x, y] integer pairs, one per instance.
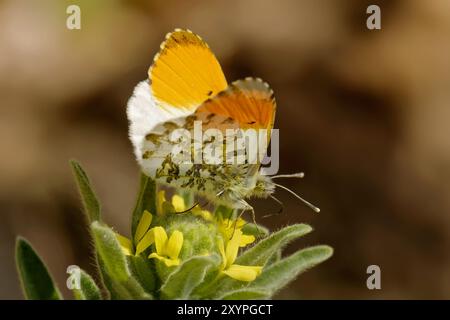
{"points": [[249, 102], [169, 34], [168, 37], [255, 83], [178, 30], [184, 71], [190, 32]]}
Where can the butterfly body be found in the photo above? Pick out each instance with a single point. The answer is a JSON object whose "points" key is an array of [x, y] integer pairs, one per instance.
{"points": [[226, 185]]}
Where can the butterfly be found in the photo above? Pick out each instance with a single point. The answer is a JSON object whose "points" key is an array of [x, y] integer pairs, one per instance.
{"points": [[185, 86]]}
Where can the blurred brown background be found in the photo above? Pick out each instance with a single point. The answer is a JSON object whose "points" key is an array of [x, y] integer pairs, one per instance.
{"points": [[364, 113]]}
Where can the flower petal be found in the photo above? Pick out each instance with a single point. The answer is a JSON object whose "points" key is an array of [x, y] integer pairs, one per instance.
{"points": [[125, 244], [154, 255], [222, 253], [143, 225], [178, 203], [174, 244], [243, 273], [205, 214], [246, 239], [232, 248], [167, 262], [146, 241], [171, 262], [240, 223], [160, 239], [228, 226], [160, 199]]}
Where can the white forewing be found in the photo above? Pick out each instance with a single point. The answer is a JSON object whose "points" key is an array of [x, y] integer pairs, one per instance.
{"points": [[145, 115]]}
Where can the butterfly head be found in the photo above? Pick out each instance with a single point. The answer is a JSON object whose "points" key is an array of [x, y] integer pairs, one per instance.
{"points": [[264, 187]]}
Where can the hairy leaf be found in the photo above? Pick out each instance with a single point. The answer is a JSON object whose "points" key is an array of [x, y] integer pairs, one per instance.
{"points": [[245, 294], [188, 276], [259, 254], [144, 270], [256, 230], [286, 270], [109, 250], [88, 288], [114, 264], [36, 281], [88, 197]]}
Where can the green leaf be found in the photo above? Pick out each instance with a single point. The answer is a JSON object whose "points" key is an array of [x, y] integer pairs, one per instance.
{"points": [[92, 209], [36, 281], [105, 279], [284, 271], [88, 288], [135, 290], [110, 251], [224, 212], [188, 276], [256, 230], [88, 197], [144, 270], [274, 258], [245, 294], [145, 201], [114, 264], [260, 253]]}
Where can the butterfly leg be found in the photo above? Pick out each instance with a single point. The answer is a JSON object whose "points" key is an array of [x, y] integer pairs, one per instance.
{"points": [[279, 210], [197, 203], [248, 207]]}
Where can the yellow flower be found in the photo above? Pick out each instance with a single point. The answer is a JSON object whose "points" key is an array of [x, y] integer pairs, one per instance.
{"points": [[143, 226], [160, 199], [205, 214], [225, 226], [141, 236], [167, 250], [125, 244], [229, 254], [180, 206], [228, 228], [178, 203]]}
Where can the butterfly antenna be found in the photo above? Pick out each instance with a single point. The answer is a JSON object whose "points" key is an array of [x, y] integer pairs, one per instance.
{"points": [[298, 197], [292, 175]]}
